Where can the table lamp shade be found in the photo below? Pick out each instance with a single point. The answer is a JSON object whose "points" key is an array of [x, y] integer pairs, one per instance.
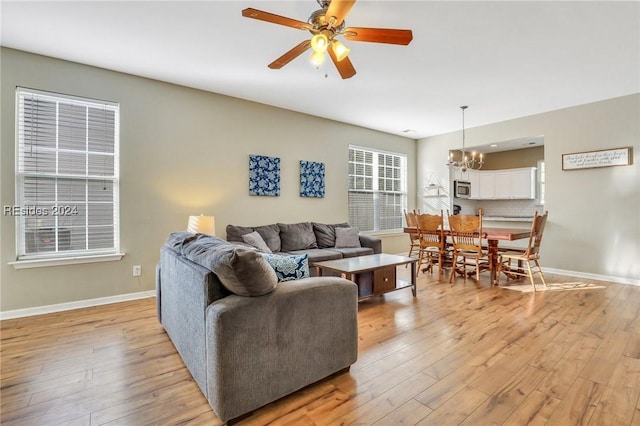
{"points": [[202, 225]]}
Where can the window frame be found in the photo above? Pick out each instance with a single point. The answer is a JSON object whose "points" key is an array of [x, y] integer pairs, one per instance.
{"points": [[78, 174], [540, 183], [379, 194]]}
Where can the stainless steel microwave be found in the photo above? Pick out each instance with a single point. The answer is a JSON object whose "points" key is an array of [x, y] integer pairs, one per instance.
{"points": [[461, 189]]}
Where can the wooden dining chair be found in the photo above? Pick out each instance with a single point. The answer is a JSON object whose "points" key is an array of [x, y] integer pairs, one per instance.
{"points": [[530, 254], [432, 242], [468, 243], [414, 239]]}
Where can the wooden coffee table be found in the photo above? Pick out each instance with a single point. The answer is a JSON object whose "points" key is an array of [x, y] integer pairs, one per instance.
{"points": [[374, 274]]}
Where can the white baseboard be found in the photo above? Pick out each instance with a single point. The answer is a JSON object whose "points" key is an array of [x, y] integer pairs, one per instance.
{"points": [[67, 306], [589, 276]]}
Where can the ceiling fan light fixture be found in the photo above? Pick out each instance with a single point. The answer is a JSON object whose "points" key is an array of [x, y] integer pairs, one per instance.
{"points": [[319, 43], [341, 51], [317, 58]]}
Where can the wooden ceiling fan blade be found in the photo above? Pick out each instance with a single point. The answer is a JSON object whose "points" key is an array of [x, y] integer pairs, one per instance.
{"points": [[275, 19], [345, 67], [378, 35], [290, 55], [338, 9]]}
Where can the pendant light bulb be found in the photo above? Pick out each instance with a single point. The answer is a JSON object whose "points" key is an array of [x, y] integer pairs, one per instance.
{"points": [[319, 43], [341, 51], [317, 58]]}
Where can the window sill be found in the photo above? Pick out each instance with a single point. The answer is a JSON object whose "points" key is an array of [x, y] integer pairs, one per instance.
{"points": [[390, 233], [41, 263]]}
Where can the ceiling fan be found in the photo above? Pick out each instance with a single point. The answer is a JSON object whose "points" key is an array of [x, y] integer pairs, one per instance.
{"points": [[325, 25]]}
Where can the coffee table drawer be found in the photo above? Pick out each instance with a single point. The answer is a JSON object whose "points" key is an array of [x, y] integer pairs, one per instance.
{"points": [[384, 280]]}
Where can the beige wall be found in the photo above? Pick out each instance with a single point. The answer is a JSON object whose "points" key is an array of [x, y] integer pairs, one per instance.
{"points": [[527, 157], [594, 214], [183, 152]]}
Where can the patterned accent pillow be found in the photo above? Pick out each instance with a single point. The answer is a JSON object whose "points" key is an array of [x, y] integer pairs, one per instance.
{"points": [[287, 268], [347, 238], [255, 239]]}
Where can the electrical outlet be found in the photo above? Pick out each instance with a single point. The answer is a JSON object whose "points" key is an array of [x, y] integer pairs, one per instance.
{"points": [[137, 270]]}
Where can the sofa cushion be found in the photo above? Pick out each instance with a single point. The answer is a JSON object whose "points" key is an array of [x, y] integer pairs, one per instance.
{"points": [[288, 267], [326, 234], [354, 251], [255, 239], [318, 255], [347, 238], [269, 233], [241, 270], [297, 236]]}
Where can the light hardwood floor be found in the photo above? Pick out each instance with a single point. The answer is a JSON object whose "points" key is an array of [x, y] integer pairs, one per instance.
{"points": [[461, 353]]}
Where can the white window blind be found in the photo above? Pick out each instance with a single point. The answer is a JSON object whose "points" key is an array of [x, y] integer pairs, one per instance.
{"points": [[67, 176], [377, 189], [541, 187]]}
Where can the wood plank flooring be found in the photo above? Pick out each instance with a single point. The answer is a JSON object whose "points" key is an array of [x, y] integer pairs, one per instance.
{"points": [[462, 353]]}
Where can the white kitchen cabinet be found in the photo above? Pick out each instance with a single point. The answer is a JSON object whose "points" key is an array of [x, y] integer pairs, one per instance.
{"points": [[462, 176], [486, 185], [502, 189], [474, 180], [507, 184], [523, 183]]}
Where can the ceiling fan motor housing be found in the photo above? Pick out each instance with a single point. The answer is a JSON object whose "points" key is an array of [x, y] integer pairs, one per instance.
{"points": [[319, 21]]}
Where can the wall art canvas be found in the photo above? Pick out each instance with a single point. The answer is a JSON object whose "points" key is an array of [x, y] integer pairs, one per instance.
{"points": [[600, 158], [264, 175], [311, 179]]}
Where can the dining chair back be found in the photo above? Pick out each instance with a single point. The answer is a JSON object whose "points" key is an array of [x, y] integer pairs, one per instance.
{"points": [[414, 239], [467, 240], [530, 254], [432, 242]]}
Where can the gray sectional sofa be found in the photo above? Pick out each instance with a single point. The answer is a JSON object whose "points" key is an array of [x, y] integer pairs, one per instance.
{"points": [[245, 351], [318, 240]]}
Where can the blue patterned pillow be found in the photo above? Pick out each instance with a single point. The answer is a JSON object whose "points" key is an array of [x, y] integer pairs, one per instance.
{"points": [[290, 267]]}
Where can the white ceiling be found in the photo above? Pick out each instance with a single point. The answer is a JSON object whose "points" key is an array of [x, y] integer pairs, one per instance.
{"points": [[504, 59]]}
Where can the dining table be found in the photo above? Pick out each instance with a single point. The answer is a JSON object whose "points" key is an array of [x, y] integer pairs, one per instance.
{"points": [[493, 237]]}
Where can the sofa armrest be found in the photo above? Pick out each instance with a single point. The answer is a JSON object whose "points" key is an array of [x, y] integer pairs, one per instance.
{"points": [[374, 243], [262, 348], [185, 290]]}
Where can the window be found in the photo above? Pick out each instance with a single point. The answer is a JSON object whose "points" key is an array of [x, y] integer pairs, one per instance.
{"points": [[540, 176], [67, 176], [377, 189]]}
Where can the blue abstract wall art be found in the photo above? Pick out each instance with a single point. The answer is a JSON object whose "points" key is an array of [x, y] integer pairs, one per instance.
{"points": [[264, 175], [311, 179]]}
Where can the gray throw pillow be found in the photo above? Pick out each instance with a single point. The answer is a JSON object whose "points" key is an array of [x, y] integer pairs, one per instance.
{"points": [[297, 236], [269, 233], [235, 233], [255, 239], [326, 234], [242, 271], [347, 238]]}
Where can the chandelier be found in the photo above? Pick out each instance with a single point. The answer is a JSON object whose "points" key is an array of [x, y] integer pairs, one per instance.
{"points": [[465, 163]]}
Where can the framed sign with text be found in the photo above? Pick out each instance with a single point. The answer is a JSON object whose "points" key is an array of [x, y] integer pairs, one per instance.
{"points": [[593, 159]]}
